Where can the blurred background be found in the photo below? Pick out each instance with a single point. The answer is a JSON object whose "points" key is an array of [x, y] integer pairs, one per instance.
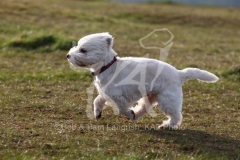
{"points": [[225, 3]]}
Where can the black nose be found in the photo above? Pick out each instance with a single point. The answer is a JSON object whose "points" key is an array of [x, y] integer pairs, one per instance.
{"points": [[68, 56]]}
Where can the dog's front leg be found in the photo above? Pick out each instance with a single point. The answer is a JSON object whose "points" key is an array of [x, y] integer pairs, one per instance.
{"points": [[99, 102]]}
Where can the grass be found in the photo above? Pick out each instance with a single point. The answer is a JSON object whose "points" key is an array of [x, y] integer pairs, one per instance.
{"points": [[43, 43], [43, 101]]}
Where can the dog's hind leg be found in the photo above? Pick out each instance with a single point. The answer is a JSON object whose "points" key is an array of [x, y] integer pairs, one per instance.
{"points": [[170, 103], [144, 105], [123, 107]]}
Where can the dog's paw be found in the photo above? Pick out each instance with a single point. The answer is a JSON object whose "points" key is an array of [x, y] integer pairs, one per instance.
{"points": [[132, 116], [98, 115]]}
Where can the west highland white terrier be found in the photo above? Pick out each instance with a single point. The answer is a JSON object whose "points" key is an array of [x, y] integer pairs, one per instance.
{"points": [[124, 81]]}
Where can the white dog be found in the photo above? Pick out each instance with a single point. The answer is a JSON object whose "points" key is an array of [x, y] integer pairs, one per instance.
{"points": [[125, 81]]}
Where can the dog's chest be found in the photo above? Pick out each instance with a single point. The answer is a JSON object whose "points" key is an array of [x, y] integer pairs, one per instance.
{"points": [[107, 89], [101, 88]]}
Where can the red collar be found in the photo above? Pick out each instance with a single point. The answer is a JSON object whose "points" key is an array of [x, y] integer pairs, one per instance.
{"points": [[104, 67]]}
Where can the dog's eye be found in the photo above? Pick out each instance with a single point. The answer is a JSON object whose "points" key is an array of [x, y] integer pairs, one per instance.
{"points": [[82, 50]]}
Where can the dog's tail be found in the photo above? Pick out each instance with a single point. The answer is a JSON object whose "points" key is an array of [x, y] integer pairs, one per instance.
{"points": [[195, 73]]}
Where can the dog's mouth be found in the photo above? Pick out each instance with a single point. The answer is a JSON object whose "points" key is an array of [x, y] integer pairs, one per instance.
{"points": [[79, 63]]}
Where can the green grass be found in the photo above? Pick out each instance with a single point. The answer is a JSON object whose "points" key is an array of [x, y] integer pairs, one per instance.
{"points": [[43, 101], [43, 43]]}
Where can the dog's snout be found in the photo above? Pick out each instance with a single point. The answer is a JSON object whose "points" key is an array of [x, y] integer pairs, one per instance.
{"points": [[68, 56]]}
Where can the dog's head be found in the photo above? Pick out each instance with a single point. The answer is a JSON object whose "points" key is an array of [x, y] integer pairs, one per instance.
{"points": [[92, 51]]}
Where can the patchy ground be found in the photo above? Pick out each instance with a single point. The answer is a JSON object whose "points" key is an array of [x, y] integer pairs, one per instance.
{"points": [[43, 101]]}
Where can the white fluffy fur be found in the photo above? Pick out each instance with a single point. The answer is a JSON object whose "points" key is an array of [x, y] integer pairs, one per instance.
{"points": [[165, 89]]}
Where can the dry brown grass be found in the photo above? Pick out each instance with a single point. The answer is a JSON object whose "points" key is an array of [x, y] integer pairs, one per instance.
{"points": [[43, 101]]}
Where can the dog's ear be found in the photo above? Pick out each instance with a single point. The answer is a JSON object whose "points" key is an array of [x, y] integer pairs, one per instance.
{"points": [[109, 42]]}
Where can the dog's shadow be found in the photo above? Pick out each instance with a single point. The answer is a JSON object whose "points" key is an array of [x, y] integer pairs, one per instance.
{"points": [[197, 142]]}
